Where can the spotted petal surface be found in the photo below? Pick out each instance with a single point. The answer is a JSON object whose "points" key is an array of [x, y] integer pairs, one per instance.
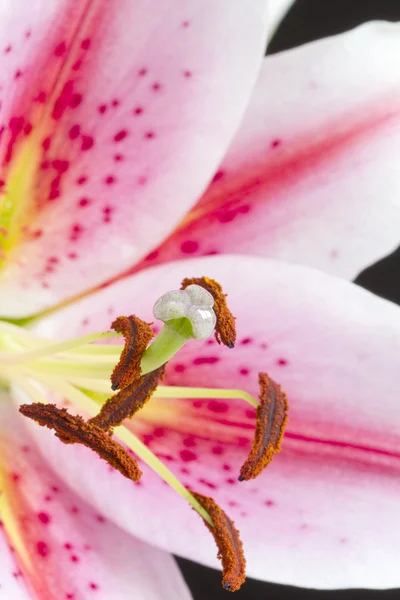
{"points": [[312, 175], [331, 496], [61, 547], [115, 116]]}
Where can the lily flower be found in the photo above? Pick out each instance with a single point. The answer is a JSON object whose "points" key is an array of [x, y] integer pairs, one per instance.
{"points": [[117, 118]]}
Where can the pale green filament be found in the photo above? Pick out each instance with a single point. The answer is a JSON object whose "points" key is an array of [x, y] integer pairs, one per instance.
{"points": [[121, 432], [172, 337], [77, 369]]}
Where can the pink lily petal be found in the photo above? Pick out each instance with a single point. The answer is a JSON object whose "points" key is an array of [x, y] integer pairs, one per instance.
{"points": [[62, 548], [325, 513], [120, 116], [312, 175]]}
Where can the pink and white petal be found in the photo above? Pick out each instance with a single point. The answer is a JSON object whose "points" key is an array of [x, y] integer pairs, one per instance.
{"points": [[312, 175], [331, 496], [11, 584], [62, 547], [120, 115]]}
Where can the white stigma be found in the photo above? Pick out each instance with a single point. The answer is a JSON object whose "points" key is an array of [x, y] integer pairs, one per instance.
{"points": [[194, 303]]}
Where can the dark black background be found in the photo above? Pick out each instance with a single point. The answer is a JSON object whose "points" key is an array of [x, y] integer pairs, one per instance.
{"points": [[309, 20]]}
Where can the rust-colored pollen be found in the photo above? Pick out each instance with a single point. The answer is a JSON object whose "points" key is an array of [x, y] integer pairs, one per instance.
{"points": [[128, 401], [137, 335], [271, 421], [225, 330], [230, 547], [73, 429]]}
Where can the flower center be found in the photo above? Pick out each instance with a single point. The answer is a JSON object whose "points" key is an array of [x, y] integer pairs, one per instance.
{"points": [[87, 371]]}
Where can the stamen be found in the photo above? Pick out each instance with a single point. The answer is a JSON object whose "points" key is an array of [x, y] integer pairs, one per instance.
{"points": [[137, 335], [128, 401], [225, 331], [72, 429], [271, 421], [230, 547]]}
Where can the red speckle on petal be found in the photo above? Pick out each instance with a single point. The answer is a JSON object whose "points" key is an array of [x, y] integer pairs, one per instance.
{"points": [[87, 142], [42, 549], [138, 110], [269, 503], [60, 165], [244, 371], [120, 135], [142, 72], [115, 102], [246, 341], [102, 109], [185, 24], [46, 143], [85, 45], [17, 74], [149, 135], [8, 49], [226, 467], [74, 558], [187, 73], [44, 518], [68, 546], [76, 100], [77, 65], [217, 450], [84, 202], [156, 86], [60, 49], [189, 246], [210, 485], [179, 368], [187, 455], [282, 362], [81, 180], [76, 232], [118, 157], [93, 586], [189, 441], [217, 407], [74, 132], [275, 143], [110, 179], [206, 360], [41, 98]]}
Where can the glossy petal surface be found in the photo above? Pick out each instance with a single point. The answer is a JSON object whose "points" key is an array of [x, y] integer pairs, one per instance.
{"points": [[331, 496], [117, 114], [312, 175], [62, 548]]}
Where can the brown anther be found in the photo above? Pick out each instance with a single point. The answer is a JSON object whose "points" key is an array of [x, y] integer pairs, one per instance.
{"points": [[230, 547], [128, 401], [271, 421], [72, 429], [137, 335], [225, 330]]}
